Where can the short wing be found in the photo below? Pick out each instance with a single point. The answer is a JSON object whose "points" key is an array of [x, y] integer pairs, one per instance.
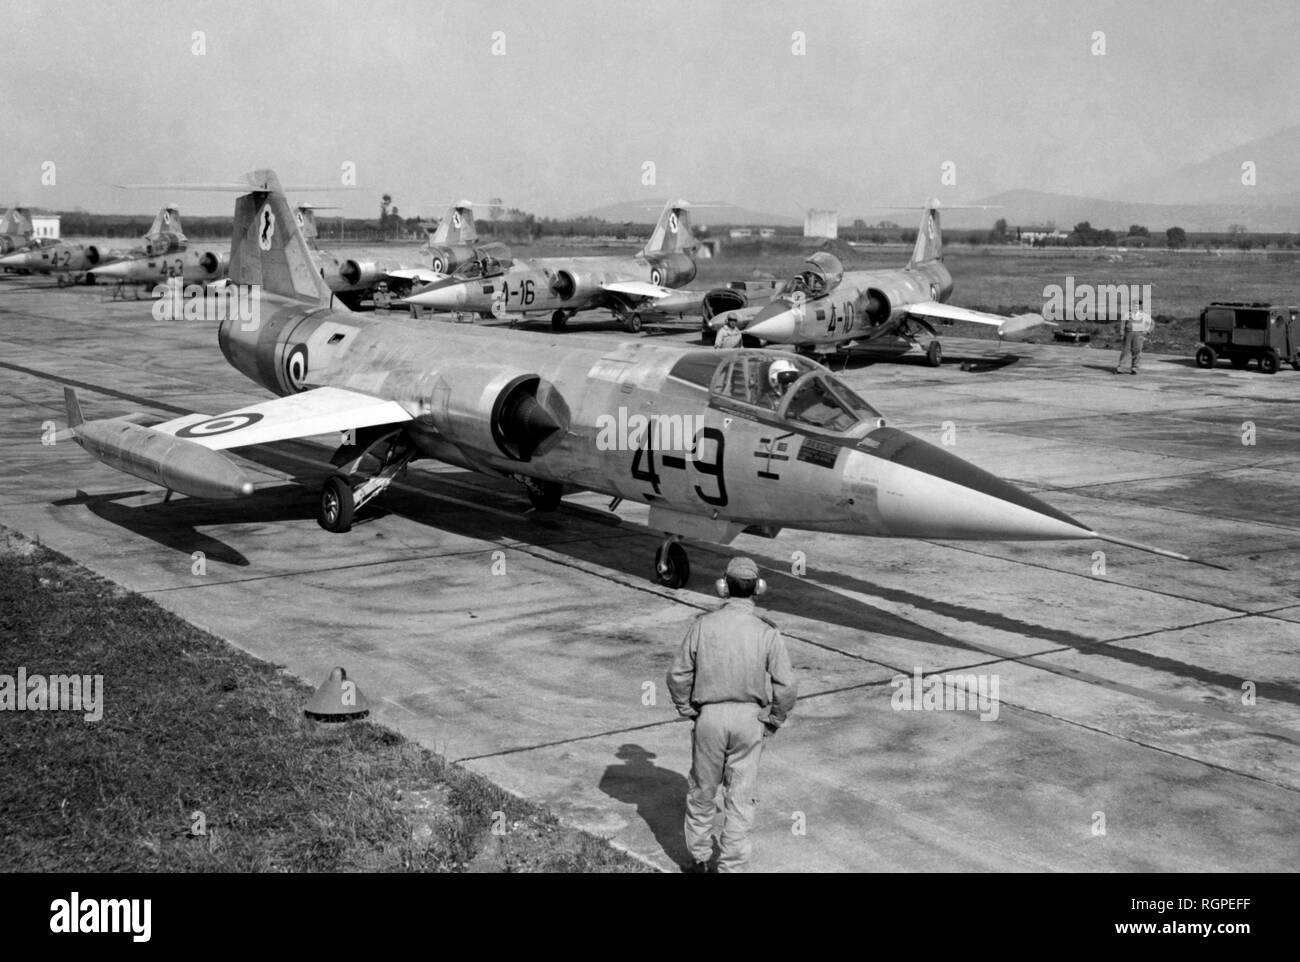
{"points": [[1007, 326], [638, 289], [319, 411]]}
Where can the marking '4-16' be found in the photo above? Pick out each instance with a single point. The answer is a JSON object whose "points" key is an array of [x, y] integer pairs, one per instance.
{"points": [[643, 464]]}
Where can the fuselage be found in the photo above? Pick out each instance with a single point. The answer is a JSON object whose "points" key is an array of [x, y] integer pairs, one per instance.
{"points": [[548, 284], [704, 437], [862, 306], [58, 258], [191, 265]]}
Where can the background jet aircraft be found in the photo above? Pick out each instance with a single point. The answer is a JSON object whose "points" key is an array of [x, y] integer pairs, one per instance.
{"points": [[716, 442], [165, 253], [65, 260], [15, 230], [562, 286], [351, 278], [823, 307]]}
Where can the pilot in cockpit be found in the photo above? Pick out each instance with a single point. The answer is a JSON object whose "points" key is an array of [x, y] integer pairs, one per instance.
{"points": [[780, 375]]}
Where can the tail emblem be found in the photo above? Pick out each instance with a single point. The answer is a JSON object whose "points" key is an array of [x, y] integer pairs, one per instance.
{"points": [[455, 219], [672, 222], [268, 228]]}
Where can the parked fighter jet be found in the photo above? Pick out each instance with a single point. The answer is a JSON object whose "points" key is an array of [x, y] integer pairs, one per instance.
{"points": [[164, 254], [562, 286], [66, 260], [822, 307], [716, 442], [352, 278], [15, 230]]}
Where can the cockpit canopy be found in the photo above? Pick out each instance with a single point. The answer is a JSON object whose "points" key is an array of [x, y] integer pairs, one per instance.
{"points": [[823, 274], [785, 386], [488, 260]]}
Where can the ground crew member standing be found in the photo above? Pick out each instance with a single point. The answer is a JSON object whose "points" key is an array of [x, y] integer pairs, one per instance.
{"points": [[1133, 331], [729, 334], [733, 676]]}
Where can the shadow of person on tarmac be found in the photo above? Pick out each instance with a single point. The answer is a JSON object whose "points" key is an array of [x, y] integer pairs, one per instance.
{"points": [[659, 795]]}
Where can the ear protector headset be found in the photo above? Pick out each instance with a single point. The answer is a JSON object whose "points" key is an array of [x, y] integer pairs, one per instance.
{"points": [[724, 592]]}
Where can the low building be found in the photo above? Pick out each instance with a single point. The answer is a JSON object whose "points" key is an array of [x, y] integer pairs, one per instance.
{"points": [[1028, 236], [741, 233], [767, 233], [45, 226]]}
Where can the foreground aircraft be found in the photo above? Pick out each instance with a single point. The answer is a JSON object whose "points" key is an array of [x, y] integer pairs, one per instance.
{"points": [[15, 230], [823, 308], [562, 286], [717, 443], [165, 253]]}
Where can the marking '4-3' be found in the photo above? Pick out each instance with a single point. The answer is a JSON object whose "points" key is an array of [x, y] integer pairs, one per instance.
{"points": [[643, 465]]}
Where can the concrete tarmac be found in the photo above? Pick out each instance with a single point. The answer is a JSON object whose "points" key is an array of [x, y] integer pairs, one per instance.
{"points": [[1147, 710]]}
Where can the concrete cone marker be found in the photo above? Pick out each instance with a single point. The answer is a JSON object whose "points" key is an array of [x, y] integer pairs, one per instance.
{"points": [[337, 700]]}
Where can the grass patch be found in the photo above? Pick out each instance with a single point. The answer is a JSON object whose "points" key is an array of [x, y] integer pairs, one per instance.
{"points": [[190, 725]]}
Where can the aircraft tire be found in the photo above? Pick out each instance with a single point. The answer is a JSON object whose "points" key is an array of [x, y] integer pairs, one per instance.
{"points": [[677, 567], [558, 321], [934, 354], [546, 495], [334, 513], [633, 322]]}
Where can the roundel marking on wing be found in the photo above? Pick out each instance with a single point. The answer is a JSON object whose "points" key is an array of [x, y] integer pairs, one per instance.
{"points": [[266, 228], [222, 425]]}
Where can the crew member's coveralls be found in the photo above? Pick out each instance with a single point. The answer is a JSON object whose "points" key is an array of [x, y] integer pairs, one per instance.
{"points": [[732, 675], [1133, 332], [728, 336]]}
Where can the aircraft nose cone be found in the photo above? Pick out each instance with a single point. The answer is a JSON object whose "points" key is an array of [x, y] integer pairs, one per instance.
{"points": [[777, 322], [440, 298], [117, 271], [14, 260], [928, 492]]}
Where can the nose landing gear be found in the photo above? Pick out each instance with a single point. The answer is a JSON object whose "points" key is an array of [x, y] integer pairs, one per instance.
{"points": [[672, 567]]}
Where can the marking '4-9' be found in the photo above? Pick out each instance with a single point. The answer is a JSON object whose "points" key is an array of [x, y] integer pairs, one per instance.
{"points": [[713, 468]]}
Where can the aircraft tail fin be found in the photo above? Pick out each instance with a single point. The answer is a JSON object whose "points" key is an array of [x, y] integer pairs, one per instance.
{"points": [[167, 221], [456, 227], [307, 221], [73, 407], [929, 238], [17, 220], [269, 248], [673, 231]]}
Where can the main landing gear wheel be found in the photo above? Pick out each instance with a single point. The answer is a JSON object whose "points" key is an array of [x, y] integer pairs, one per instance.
{"points": [[672, 567], [934, 354], [633, 322], [1205, 357], [545, 495], [337, 505], [558, 320]]}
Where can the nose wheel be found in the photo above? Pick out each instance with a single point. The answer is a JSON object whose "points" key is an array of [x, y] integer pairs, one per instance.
{"points": [[672, 567]]}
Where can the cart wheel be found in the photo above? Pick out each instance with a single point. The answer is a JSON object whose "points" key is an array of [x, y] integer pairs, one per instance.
{"points": [[1205, 357], [1295, 365], [1268, 362]]}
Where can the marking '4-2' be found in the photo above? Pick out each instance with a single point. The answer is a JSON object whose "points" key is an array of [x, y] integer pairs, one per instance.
{"points": [[644, 469]]}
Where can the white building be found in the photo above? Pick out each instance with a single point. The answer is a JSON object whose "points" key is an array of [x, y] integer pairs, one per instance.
{"points": [[45, 226], [821, 223]]}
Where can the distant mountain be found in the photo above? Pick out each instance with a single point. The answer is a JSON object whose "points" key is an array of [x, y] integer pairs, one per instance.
{"points": [[708, 212], [1217, 181], [1031, 207]]}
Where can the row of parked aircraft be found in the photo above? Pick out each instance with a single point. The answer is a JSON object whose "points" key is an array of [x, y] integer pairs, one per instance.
{"points": [[821, 309], [717, 443]]}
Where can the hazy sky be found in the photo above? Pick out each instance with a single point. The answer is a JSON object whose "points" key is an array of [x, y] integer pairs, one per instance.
{"points": [[712, 93]]}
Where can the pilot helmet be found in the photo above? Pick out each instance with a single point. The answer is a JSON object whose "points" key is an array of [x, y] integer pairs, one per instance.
{"points": [[732, 319], [780, 374]]}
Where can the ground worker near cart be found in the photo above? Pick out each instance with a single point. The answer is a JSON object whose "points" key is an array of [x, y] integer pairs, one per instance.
{"points": [[1133, 331], [732, 675]]}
